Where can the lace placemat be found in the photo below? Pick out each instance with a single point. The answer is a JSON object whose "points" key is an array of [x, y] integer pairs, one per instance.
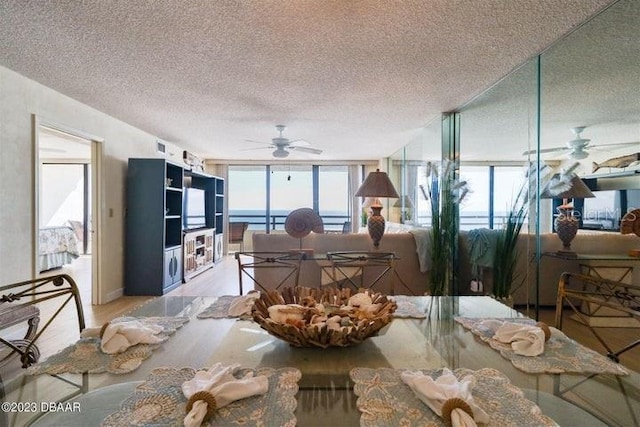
{"points": [[561, 353], [219, 309], [160, 401], [407, 308], [86, 356], [385, 400]]}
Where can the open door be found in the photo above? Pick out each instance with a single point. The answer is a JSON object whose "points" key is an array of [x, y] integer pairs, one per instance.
{"points": [[66, 213]]}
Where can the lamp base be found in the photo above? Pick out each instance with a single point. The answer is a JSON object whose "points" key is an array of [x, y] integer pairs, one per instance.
{"points": [[375, 225], [566, 228]]}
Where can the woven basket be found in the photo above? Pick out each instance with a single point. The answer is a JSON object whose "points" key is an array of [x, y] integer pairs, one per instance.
{"points": [[312, 335]]}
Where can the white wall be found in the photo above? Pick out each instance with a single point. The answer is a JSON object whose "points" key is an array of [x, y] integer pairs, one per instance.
{"points": [[61, 195], [20, 98]]}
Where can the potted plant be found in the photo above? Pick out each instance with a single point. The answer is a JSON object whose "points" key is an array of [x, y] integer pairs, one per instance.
{"points": [[506, 251], [444, 191]]}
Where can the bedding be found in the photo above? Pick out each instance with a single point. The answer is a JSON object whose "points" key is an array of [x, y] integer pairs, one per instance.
{"points": [[57, 246]]}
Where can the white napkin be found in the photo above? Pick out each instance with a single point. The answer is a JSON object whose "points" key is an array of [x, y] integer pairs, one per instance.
{"points": [[243, 304], [220, 382], [120, 335], [526, 340], [434, 393]]}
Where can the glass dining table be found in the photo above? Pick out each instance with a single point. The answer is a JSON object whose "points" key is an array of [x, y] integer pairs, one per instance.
{"points": [[326, 391]]}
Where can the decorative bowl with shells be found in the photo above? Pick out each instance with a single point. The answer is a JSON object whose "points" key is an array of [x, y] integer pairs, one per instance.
{"points": [[326, 317]]}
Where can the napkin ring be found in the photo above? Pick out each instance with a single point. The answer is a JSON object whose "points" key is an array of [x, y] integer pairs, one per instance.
{"points": [[104, 328], [208, 398], [454, 403], [545, 329]]}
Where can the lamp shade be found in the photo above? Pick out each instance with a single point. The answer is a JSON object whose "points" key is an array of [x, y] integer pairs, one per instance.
{"points": [[377, 184], [404, 201], [574, 188]]}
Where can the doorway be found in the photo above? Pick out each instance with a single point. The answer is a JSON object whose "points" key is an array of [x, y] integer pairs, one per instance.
{"points": [[66, 206]]}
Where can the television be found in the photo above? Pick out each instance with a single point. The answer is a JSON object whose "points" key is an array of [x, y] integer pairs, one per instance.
{"points": [[605, 210], [193, 209]]}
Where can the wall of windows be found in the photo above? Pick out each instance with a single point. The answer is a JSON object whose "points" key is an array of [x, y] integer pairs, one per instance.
{"points": [[492, 192], [264, 195]]}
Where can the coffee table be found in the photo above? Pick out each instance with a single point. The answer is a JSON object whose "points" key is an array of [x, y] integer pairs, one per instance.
{"points": [[326, 396]]}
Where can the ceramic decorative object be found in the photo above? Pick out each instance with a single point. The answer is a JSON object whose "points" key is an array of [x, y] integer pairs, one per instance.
{"points": [[328, 317], [566, 227], [301, 222]]}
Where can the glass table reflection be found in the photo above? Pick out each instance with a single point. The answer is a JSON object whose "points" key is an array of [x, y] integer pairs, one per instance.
{"points": [[326, 394]]}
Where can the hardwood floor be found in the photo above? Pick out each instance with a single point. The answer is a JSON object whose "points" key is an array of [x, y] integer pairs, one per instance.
{"points": [[222, 279]]}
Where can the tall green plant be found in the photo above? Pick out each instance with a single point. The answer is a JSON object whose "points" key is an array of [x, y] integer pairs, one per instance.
{"points": [[506, 252], [444, 192]]}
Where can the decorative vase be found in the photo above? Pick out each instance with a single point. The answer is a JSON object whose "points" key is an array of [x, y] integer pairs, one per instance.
{"points": [[375, 225], [566, 227]]}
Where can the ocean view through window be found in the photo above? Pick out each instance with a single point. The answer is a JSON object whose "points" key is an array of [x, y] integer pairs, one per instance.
{"points": [[263, 195]]}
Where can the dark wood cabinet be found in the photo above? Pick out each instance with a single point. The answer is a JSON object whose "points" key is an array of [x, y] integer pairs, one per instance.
{"points": [[157, 218]]}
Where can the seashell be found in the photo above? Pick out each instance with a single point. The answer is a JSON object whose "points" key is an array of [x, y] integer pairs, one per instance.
{"points": [[281, 313], [308, 301], [360, 299], [318, 318], [346, 321]]}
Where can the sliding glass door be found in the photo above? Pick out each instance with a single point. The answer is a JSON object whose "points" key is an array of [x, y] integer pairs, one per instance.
{"points": [[263, 195]]}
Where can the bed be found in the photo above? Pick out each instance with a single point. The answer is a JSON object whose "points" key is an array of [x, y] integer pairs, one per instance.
{"points": [[57, 246]]}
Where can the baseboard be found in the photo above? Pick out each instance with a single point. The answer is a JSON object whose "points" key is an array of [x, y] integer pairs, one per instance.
{"points": [[111, 296]]}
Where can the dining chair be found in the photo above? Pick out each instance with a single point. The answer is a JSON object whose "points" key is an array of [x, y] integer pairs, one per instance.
{"points": [[595, 302], [236, 233], [362, 269], [269, 270]]}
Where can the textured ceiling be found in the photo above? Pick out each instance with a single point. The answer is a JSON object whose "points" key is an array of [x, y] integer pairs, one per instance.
{"points": [[357, 79]]}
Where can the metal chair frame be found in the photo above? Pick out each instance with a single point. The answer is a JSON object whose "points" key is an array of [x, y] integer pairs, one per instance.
{"points": [[574, 289], [19, 303], [289, 262], [357, 262]]}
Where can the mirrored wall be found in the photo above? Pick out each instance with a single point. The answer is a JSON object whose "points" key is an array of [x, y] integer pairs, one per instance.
{"points": [[575, 107]]}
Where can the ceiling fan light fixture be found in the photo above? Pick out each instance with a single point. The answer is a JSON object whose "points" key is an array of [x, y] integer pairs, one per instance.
{"points": [[579, 154], [280, 153]]}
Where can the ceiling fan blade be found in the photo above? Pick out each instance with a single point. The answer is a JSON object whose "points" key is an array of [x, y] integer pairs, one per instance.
{"points": [[257, 148], [307, 150], [546, 150], [299, 143], [257, 142], [617, 144]]}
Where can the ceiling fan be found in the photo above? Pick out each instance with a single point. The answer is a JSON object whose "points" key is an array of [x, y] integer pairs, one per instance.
{"points": [[282, 145], [578, 146]]}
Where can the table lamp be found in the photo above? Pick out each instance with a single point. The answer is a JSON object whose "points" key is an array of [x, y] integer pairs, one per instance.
{"points": [[566, 222], [405, 204], [376, 185]]}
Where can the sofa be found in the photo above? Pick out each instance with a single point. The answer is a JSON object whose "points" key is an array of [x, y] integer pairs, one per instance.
{"points": [[407, 266], [601, 253], [600, 245]]}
